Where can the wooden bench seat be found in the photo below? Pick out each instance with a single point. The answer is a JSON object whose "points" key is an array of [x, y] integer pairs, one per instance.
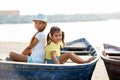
{"points": [[114, 57], [77, 48], [78, 52], [113, 54]]}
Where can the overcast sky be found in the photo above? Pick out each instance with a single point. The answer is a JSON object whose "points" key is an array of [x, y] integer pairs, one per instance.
{"points": [[61, 6]]}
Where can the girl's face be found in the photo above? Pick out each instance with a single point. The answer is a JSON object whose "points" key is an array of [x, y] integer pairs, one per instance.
{"points": [[39, 24], [57, 37]]}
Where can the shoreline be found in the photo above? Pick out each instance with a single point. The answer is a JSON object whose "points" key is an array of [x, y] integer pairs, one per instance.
{"points": [[5, 47]]}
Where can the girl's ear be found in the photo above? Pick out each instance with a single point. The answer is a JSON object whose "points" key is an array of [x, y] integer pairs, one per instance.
{"points": [[44, 24]]}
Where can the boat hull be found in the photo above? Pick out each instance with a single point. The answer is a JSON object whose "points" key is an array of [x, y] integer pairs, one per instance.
{"points": [[113, 68], [45, 72], [112, 65], [10, 70]]}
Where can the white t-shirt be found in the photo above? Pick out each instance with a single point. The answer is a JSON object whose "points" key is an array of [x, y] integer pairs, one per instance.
{"points": [[38, 51]]}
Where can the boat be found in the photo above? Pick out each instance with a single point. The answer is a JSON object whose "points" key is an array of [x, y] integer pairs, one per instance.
{"points": [[111, 59], [10, 70]]}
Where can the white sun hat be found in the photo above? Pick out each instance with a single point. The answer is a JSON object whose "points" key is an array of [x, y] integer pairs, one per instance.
{"points": [[41, 17]]}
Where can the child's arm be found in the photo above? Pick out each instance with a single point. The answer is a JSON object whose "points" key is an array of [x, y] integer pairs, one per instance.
{"points": [[27, 50], [54, 57]]}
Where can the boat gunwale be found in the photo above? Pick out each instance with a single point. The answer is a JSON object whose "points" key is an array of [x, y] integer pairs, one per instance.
{"points": [[44, 64]]}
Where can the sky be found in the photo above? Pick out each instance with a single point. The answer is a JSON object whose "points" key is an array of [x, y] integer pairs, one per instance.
{"points": [[31, 7]]}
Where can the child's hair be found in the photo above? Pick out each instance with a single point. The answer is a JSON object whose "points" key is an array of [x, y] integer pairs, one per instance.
{"points": [[51, 33], [38, 32]]}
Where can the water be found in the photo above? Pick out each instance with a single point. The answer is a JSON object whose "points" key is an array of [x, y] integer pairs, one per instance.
{"points": [[97, 32]]}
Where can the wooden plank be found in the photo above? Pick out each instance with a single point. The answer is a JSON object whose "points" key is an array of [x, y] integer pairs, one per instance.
{"points": [[80, 44], [76, 46], [78, 52], [72, 48], [112, 52], [114, 57]]}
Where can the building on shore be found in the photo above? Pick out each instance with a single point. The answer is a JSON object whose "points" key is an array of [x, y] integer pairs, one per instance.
{"points": [[9, 12]]}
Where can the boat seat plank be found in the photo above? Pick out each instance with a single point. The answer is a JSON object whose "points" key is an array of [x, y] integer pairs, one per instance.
{"points": [[114, 57], [78, 45], [113, 54], [78, 52], [72, 48]]}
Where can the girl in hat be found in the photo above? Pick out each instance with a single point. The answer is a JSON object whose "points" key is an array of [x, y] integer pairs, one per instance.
{"points": [[54, 40], [35, 51]]}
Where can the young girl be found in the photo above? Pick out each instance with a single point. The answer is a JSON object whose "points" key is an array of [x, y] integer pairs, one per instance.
{"points": [[54, 39], [36, 48]]}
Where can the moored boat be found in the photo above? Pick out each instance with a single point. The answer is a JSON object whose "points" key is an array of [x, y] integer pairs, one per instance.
{"points": [[10, 70], [111, 59]]}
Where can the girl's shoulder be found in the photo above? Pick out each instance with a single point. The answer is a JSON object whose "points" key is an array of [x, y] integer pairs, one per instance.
{"points": [[40, 33], [52, 44]]}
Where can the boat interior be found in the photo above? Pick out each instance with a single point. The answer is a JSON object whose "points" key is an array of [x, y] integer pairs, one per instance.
{"points": [[112, 52], [79, 48]]}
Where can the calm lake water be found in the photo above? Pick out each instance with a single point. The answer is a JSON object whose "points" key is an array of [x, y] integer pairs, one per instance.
{"points": [[97, 32]]}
